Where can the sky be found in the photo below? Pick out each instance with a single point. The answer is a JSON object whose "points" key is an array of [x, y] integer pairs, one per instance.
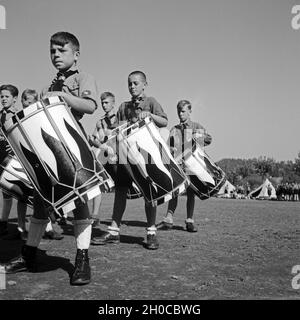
{"points": [[237, 61]]}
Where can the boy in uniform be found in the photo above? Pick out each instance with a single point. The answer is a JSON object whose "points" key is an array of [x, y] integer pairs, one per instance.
{"points": [[181, 137], [98, 140], [138, 108], [8, 96], [79, 90]]}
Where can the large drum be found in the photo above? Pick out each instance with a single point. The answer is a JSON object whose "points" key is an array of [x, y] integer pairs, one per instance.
{"points": [[206, 178], [14, 180], [56, 155], [149, 162]]}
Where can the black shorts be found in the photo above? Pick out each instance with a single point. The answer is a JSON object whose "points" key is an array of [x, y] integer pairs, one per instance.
{"points": [[119, 174]]}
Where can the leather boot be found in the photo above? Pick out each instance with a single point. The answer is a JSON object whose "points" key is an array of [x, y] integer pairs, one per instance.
{"points": [[82, 272], [25, 262]]}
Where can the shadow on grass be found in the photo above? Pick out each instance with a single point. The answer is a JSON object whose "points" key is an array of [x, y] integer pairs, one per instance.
{"points": [[49, 263], [45, 263]]}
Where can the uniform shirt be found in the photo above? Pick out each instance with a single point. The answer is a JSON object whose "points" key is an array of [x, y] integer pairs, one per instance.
{"points": [[76, 83], [129, 110], [181, 134], [105, 124], [5, 114]]}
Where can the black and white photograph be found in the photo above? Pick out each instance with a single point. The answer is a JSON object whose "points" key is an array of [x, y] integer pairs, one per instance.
{"points": [[149, 154]]}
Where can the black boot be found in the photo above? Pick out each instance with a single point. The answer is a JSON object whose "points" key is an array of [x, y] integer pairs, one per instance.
{"points": [[82, 272], [25, 262], [3, 228]]}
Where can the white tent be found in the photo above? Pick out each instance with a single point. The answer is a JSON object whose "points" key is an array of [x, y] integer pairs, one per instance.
{"points": [[262, 192], [226, 190]]}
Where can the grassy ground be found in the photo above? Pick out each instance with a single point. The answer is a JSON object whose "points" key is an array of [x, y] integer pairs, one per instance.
{"points": [[244, 249]]}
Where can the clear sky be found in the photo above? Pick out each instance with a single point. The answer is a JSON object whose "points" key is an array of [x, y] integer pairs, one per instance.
{"points": [[237, 61]]}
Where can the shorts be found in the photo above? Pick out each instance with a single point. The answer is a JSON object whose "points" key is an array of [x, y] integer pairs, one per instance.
{"points": [[119, 174]]}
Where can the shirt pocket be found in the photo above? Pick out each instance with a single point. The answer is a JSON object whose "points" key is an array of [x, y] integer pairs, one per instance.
{"points": [[73, 88]]}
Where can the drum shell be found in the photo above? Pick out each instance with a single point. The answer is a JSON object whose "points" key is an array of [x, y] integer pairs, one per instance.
{"points": [[149, 162], [206, 178], [55, 154], [14, 180]]}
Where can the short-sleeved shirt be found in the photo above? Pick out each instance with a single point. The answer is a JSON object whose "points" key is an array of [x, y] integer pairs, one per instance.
{"points": [[129, 110], [77, 83], [104, 124], [181, 134]]}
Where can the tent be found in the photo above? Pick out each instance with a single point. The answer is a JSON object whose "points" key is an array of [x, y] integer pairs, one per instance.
{"points": [[262, 192], [226, 190]]}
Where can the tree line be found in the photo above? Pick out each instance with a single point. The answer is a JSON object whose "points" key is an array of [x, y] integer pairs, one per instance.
{"points": [[252, 172]]}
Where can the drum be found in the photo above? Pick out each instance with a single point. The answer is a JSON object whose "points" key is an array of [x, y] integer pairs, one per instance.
{"points": [[149, 162], [206, 178], [56, 155], [14, 180]]}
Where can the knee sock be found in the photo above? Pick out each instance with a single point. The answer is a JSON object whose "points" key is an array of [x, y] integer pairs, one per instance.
{"points": [[151, 230], [82, 232], [36, 231], [49, 226], [113, 230]]}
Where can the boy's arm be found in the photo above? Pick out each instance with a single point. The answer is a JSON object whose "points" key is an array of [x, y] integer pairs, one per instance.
{"points": [[82, 105], [158, 120], [202, 136], [157, 114]]}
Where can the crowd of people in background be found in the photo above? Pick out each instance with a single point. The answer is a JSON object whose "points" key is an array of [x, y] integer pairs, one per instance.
{"points": [[289, 191]]}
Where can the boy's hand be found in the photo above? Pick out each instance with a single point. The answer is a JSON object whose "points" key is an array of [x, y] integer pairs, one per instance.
{"points": [[110, 151], [94, 141], [145, 114], [8, 148], [199, 135]]}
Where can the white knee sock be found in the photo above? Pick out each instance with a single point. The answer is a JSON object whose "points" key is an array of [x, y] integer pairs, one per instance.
{"points": [[151, 230], [49, 226], [82, 232], [36, 231], [113, 230]]}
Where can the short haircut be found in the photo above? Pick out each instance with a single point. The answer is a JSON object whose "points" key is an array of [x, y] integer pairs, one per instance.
{"points": [[183, 103], [61, 38], [140, 73], [107, 94], [12, 89], [30, 92]]}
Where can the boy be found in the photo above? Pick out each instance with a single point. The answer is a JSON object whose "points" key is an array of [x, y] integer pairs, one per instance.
{"points": [[8, 96], [180, 138], [138, 108], [80, 93], [97, 139]]}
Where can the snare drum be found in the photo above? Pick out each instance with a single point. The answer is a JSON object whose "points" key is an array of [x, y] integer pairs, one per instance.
{"points": [[14, 180], [149, 162], [206, 178], [56, 155]]}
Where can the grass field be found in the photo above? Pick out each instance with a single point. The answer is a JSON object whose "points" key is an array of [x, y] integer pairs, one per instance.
{"points": [[244, 249]]}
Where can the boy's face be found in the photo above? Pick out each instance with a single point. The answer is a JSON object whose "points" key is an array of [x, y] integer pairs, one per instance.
{"points": [[136, 85], [184, 113], [107, 104], [63, 57], [28, 100], [6, 98]]}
